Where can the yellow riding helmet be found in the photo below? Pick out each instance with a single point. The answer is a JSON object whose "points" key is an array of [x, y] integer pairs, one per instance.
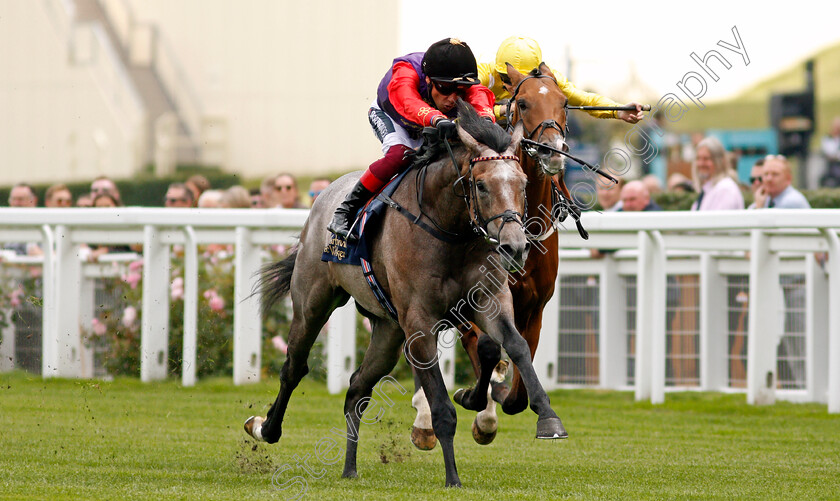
{"points": [[522, 52]]}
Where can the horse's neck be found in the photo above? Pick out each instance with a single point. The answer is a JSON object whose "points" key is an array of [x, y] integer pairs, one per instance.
{"points": [[439, 199]]}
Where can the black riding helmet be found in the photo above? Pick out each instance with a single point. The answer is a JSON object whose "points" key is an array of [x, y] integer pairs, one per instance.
{"points": [[450, 61]]}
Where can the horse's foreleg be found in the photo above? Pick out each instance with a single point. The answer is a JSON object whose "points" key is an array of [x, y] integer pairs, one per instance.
{"points": [[502, 327], [421, 352], [516, 399]]}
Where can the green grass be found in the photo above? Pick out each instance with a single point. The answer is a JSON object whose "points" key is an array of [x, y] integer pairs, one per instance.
{"points": [[66, 439]]}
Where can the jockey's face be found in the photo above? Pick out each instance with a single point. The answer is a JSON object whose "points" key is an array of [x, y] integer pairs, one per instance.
{"points": [[444, 102]]}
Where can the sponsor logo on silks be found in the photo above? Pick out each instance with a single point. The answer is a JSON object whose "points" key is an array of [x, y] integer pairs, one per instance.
{"points": [[381, 126], [424, 111], [336, 247]]}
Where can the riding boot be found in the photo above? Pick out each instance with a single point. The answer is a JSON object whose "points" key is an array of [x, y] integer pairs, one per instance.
{"points": [[345, 214]]}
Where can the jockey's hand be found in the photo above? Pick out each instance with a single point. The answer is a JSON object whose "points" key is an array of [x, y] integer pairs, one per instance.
{"points": [[631, 117], [446, 128]]}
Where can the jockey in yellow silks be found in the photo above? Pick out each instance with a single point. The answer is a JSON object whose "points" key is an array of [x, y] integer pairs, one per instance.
{"points": [[525, 55]]}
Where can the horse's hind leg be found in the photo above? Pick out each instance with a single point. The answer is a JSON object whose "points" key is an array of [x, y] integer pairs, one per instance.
{"points": [[312, 306], [380, 358]]}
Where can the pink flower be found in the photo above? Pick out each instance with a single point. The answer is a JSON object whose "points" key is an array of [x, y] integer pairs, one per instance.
{"points": [[280, 344], [217, 303], [15, 297], [136, 265], [129, 316], [209, 293], [176, 291], [99, 328], [132, 279]]}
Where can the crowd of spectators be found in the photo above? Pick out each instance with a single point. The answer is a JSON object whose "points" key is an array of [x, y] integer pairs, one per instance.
{"points": [[280, 191]]}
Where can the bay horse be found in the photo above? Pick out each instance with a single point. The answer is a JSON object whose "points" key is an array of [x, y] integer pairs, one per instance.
{"points": [[538, 104], [427, 280]]}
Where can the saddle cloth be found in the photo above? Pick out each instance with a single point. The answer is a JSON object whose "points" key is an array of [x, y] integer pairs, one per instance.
{"points": [[338, 250]]}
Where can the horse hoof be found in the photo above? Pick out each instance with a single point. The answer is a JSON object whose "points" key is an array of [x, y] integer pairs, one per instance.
{"points": [[481, 437], [459, 396], [423, 439], [551, 428], [350, 474], [253, 427]]}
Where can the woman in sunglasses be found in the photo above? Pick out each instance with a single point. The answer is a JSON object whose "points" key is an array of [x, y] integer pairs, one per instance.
{"points": [[419, 90]]}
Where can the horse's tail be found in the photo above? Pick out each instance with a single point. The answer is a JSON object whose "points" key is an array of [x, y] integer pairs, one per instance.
{"points": [[276, 280]]}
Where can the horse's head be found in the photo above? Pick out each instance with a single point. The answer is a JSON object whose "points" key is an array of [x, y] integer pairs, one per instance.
{"points": [[494, 185], [539, 105]]}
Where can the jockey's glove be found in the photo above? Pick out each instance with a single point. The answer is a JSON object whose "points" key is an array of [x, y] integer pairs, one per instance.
{"points": [[446, 128]]}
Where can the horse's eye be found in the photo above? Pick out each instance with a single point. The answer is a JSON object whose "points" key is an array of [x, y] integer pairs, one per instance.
{"points": [[479, 185], [522, 105]]}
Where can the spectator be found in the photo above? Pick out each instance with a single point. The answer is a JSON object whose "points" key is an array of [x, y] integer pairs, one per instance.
{"points": [[236, 197], [776, 190], [755, 179], [84, 200], [718, 191], [317, 185], [269, 195], [635, 197], [287, 192], [653, 184], [23, 196], [103, 184], [58, 195], [256, 199], [105, 200], [178, 196], [210, 199], [197, 184], [609, 195], [680, 183], [830, 149]]}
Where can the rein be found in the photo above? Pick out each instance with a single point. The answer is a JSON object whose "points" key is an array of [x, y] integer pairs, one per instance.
{"points": [[561, 206], [477, 222]]}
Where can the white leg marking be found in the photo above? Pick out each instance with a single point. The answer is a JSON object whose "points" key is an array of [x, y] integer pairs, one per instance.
{"points": [[424, 412]]}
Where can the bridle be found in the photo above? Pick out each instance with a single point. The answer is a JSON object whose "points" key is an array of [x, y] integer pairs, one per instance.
{"points": [[468, 192], [534, 147], [467, 186]]}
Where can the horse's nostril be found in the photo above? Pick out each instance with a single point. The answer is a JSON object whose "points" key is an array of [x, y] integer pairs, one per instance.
{"points": [[527, 247], [507, 251]]}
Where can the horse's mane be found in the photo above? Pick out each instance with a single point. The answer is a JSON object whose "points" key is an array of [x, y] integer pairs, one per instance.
{"points": [[483, 131]]}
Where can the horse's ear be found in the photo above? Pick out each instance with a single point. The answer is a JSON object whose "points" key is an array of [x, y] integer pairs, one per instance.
{"points": [[545, 70], [513, 73], [516, 137], [468, 140]]}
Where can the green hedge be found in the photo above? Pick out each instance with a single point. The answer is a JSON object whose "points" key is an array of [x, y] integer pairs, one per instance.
{"points": [[824, 198], [144, 189]]}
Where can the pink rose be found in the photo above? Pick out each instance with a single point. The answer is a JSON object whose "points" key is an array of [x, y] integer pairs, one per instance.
{"points": [[217, 303], [136, 265], [15, 297], [132, 279], [99, 328], [280, 344], [129, 316], [176, 291]]}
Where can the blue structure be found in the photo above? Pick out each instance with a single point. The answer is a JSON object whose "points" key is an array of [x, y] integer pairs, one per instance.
{"points": [[749, 145]]}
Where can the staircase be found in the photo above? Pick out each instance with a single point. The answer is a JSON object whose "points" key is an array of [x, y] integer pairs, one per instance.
{"points": [[174, 119]]}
